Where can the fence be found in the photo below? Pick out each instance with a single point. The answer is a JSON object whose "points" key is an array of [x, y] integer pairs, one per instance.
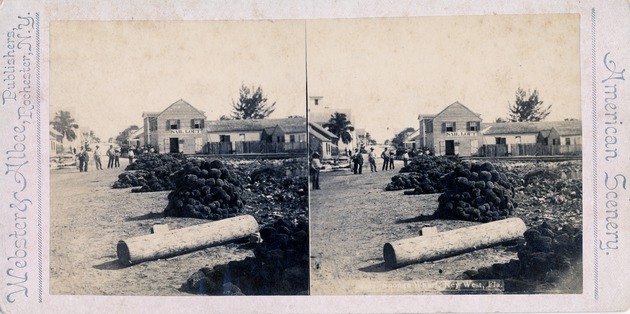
{"points": [[222, 148], [501, 150]]}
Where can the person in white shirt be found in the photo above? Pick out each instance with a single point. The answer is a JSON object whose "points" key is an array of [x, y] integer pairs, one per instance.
{"points": [[316, 165], [372, 160], [97, 158]]}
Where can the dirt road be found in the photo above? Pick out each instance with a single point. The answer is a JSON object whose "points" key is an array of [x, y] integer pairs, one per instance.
{"points": [[88, 218], [352, 217]]}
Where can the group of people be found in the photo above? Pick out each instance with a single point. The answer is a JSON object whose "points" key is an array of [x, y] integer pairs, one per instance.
{"points": [[357, 160], [388, 160], [113, 155]]}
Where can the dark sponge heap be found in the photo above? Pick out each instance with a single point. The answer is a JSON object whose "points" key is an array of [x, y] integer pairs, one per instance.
{"points": [[549, 254], [423, 175], [279, 268], [150, 173], [204, 189], [476, 192]]}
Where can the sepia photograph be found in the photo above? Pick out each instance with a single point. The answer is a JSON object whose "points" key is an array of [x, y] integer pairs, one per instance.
{"points": [[178, 160], [447, 154], [314, 157]]}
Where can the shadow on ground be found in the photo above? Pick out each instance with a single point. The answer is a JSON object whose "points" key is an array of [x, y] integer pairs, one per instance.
{"points": [[146, 217], [111, 265]]}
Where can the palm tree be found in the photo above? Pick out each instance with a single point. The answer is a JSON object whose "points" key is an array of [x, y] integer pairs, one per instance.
{"points": [[340, 126], [94, 138], [369, 140], [65, 124]]}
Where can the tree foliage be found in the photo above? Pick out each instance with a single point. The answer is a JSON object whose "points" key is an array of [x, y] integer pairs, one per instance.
{"points": [[123, 137], [369, 140], [400, 137], [340, 126], [527, 107], [65, 124], [251, 105]]}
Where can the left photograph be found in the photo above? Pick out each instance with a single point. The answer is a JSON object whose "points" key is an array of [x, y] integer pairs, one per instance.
{"points": [[178, 158]]}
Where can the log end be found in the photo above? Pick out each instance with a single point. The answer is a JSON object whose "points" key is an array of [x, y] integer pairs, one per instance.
{"points": [[389, 254], [122, 251]]}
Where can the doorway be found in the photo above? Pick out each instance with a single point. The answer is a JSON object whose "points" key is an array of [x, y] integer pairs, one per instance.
{"points": [[450, 148], [174, 144]]}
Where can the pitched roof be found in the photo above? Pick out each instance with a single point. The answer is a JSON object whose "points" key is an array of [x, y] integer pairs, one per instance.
{"points": [[177, 103], [564, 127], [412, 136], [137, 133], [289, 125], [456, 103], [321, 130], [317, 135], [433, 116]]}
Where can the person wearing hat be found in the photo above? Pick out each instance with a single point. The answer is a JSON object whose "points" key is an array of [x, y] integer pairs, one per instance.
{"points": [[97, 158], [385, 156], [110, 155], [372, 160], [316, 165]]}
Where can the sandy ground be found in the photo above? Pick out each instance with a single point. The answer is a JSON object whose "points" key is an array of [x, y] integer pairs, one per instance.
{"points": [[352, 217], [88, 218]]}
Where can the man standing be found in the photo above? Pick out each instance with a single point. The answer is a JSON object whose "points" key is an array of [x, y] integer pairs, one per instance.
{"points": [[391, 159], [116, 158], [405, 157], [316, 165], [81, 160], [97, 159], [110, 155], [372, 160], [86, 159], [359, 162], [385, 156], [130, 154]]}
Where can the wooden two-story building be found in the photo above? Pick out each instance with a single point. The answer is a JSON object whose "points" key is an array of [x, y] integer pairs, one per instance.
{"points": [[180, 128], [453, 131]]}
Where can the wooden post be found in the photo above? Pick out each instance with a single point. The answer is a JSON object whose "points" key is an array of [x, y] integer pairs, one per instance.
{"points": [[453, 242], [428, 231], [179, 241], [159, 228]]}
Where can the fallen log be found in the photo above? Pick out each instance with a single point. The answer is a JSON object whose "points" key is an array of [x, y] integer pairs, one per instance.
{"points": [[453, 242], [180, 241]]}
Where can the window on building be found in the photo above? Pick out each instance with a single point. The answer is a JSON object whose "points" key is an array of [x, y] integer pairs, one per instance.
{"points": [[196, 123], [153, 124], [555, 141], [449, 127], [172, 124], [280, 138], [316, 101], [292, 138], [472, 126], [568, 141], [224, 138], [428, 126], [500, 140], [241, 137]]}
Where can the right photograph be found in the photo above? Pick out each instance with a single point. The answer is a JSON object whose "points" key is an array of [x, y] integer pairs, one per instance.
{"points": [[445, 155]]}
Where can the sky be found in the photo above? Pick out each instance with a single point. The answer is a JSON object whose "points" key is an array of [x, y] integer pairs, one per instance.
{"points": [[387, 70], [112, 72]]}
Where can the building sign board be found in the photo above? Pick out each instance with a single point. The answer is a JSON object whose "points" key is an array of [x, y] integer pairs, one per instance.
{"points": [[186, 131], [461, 134]]}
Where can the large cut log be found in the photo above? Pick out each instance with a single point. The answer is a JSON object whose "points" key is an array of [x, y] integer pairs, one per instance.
{"points": [[179, 241], [453, 242]]}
